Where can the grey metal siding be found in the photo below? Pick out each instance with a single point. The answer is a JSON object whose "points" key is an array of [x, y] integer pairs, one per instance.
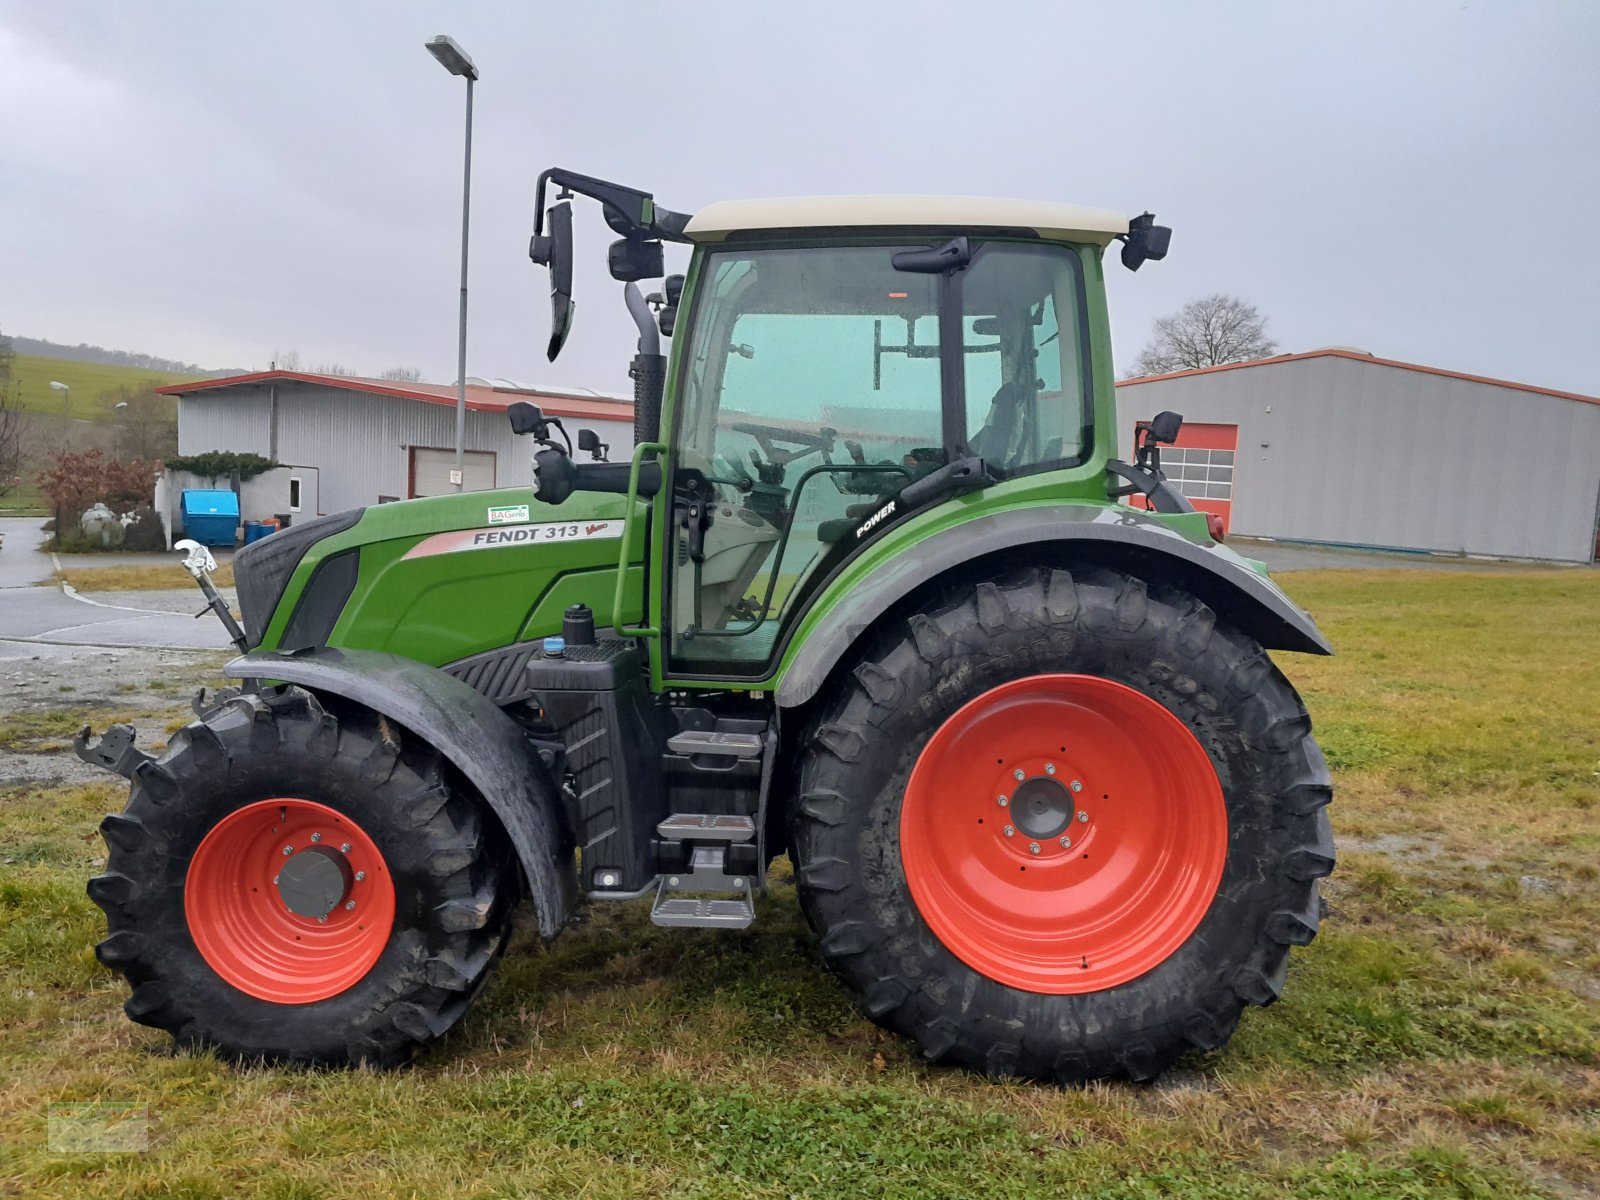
{"points": [[234, 420], [361, 441], [1335, 449]]}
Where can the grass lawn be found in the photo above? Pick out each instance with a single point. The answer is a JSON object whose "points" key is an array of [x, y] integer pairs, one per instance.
{"points": [[87, 383], [144, 578], [1441, 1038]]}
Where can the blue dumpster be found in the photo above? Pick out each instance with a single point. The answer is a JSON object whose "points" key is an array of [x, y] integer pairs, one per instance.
{"points": [[211, 517]]}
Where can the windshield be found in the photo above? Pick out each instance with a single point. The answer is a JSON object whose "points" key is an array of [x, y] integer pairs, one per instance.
{"points": [[813, 394]]}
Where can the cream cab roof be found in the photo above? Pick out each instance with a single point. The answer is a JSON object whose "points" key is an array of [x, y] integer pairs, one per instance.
{"points": [[1066, 222]]}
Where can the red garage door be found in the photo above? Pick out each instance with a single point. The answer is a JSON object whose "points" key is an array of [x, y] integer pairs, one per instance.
{"points": [[1200, 466]]}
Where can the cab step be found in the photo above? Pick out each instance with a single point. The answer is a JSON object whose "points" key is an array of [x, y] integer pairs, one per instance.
{"points": [[697, 743], [708, 838], [707, 827], [698, 912]]}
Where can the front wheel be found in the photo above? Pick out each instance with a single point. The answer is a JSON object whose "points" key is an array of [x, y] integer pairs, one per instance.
{"points": [[299, 886], [1063, 827]]}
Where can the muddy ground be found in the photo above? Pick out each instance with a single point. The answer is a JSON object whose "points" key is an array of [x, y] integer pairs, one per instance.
{"points": [[46, 691]]}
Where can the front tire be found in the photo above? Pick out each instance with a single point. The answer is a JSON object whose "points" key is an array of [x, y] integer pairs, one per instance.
{"points": [[1118, 923], [295, 886]]}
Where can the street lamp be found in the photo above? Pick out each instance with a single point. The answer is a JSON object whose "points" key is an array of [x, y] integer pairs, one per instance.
{"points": [[66, 396], [454, 59]]}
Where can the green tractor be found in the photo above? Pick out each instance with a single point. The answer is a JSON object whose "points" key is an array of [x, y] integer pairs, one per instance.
{"points": [[868, 593]]}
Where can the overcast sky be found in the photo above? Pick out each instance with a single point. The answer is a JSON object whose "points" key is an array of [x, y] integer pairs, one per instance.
{"points": [[212, 182]]}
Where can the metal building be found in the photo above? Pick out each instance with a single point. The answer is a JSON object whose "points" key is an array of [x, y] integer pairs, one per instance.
{"points": [[1338, 446], [354, 441]]}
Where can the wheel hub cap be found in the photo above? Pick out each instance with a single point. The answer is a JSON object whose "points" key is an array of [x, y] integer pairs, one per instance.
{"points": [[315, 881], [1042, 807]]}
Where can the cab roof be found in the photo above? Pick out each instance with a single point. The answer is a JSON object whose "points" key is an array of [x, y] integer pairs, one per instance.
{"points": [[1064, 222]]}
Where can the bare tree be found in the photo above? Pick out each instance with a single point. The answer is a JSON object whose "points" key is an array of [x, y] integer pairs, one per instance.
{"points": [[147, 423], [1207, 332], [402, 374], [286, 360]]}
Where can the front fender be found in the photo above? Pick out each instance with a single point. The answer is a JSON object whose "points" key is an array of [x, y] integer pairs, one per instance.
{"points": [[1114, 536], [474, 735]]}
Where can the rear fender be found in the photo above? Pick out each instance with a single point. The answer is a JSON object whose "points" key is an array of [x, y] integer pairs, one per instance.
{"points": [[1112, 536], [467, 728]]}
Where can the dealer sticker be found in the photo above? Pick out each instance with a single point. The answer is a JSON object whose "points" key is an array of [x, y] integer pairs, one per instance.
{"points": [[537, 534], [508, 514]]}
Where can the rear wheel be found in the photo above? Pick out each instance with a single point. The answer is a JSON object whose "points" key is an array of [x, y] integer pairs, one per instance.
{"points": [[1063, 827], [297, 886]]}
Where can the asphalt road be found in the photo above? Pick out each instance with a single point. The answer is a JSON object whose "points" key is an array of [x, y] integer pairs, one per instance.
{"points": [[31, 614]]}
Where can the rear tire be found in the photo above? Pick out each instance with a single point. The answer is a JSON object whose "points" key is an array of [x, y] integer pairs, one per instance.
{"points": [[1117, 673], [211, 947]]}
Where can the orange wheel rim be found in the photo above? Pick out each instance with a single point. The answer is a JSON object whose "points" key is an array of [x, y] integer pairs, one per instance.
{"points": [[1117, 833], [289, 901]]}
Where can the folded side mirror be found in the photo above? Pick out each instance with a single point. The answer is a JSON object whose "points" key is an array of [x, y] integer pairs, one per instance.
{"points": [[952, 256], [632, 260], [1165, 426], [527, 418], [554, 250], [589, 440], [1145, 241]]}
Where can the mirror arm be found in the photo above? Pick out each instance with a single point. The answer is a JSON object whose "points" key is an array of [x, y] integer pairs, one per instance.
{"points": [[637, 211]]}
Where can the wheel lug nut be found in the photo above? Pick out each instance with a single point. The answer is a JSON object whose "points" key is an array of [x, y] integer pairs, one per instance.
{"points": [[1017, 774], [1077, 785], [360, 875], [288, 850], [1001, 801], [1066, 843], [345, 849], [322, 920], [274, 881], [1010, 832], [1083, 818], [1033, 847], [316, 837], [350, 904], [1049, 768]]}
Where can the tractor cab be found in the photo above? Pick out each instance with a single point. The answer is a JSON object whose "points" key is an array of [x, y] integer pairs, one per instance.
{"points": [[842, 364]]}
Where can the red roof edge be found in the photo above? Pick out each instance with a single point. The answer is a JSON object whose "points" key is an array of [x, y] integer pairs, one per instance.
{"points": [[558, 404], [1357, 356]]}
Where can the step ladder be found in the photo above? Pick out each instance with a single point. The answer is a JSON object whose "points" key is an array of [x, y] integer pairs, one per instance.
{"points": [[708, 836]]}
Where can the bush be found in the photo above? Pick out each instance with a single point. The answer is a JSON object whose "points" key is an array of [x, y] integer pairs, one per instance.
{"points": [[219, 464], [145, 533]]}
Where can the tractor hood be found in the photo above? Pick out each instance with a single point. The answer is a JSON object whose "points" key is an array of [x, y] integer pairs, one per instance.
{"points": [[438, 579]]}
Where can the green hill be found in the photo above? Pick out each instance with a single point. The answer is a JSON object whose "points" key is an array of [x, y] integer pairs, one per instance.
{"points": [[89, 383]]}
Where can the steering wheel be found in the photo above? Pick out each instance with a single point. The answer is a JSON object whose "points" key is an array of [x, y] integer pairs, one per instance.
{"points": [[766, 435]]}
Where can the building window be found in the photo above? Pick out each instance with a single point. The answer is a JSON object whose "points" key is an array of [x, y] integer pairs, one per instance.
{"points": [[1199, 474], [294, 493]]}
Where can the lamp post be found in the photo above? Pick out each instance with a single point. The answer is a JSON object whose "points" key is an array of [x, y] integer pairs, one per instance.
{"points": [[454, 59], [66, 397]]}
